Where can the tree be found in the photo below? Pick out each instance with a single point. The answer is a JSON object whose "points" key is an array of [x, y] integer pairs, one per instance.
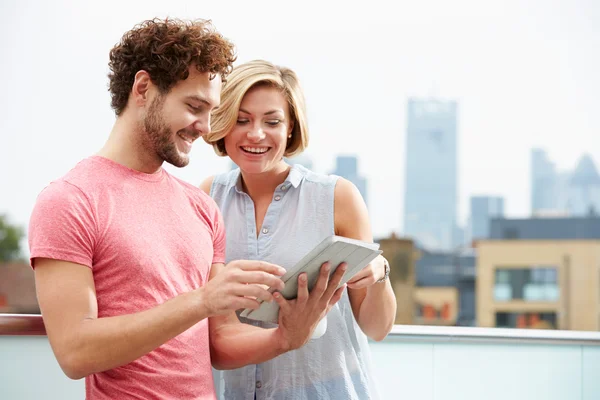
{"points": [[10, 240]]}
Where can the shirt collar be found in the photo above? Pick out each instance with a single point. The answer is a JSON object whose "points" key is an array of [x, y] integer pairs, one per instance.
{"points": [[294, 178]]}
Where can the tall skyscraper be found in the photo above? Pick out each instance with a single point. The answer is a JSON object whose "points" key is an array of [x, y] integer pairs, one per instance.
{"points": [[347, 167], [584, 189], [483, 209], [569, 193], [545, 183], [431, 193]]}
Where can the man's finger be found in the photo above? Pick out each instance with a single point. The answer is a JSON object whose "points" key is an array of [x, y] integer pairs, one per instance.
{"points": [[261, 278], [251, 265], [245, 302], [253, 291]]}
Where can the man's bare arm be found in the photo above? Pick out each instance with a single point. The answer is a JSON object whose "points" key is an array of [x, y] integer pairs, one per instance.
{"points": [[85, 344]]}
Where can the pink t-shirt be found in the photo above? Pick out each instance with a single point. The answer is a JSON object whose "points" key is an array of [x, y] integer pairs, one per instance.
{"points": [[147, 238]]}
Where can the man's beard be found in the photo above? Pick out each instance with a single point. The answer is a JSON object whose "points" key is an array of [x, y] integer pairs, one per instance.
{"points": [[159, 136]]}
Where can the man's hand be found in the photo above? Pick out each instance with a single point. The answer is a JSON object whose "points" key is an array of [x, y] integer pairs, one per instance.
{"points": [[368, 275], [298, 318], [240, 284]]}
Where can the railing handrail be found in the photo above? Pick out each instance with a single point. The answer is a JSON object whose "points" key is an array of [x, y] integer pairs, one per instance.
{"points": [[492, 335], [21, 325], [32, 324]]}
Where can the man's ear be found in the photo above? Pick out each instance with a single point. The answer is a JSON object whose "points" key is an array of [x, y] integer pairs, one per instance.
{"points": [[141, 88]]}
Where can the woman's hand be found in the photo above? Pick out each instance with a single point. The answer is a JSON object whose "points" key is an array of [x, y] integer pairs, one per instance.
{"points": [[368, 275], [298, 318]]}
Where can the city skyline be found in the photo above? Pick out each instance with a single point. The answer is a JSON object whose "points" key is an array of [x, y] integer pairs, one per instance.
{"points": [[482, 206], [308, 162], [531, 82]]}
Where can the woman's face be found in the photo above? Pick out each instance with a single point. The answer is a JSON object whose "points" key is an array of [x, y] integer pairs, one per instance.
{"points": [[259, 138]]}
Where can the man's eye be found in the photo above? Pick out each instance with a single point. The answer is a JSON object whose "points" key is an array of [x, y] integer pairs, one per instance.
{"points": [[195, 109]]}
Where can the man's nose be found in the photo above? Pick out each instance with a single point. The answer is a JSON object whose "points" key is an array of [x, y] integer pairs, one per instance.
{"points": [[203, 128]]}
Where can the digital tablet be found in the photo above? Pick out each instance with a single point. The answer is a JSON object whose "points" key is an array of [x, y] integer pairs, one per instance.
{"points": [[335, 249]]}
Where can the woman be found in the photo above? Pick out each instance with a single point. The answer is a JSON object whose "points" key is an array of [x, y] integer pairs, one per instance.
{"points": [[278, 213]]}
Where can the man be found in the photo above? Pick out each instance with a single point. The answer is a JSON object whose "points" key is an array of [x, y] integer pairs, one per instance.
{"points": [[126, 256]]}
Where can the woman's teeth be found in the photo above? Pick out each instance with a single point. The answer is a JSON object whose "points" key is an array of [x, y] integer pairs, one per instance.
{"points": [[255, 150]]}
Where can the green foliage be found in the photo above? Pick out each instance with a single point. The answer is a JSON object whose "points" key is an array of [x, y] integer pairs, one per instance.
{"points": [[10, 240]]}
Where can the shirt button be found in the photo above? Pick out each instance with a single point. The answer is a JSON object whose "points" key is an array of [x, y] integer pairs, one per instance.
{"points": [[277, 198], [265, 230], [284, 187], [258, 384]]}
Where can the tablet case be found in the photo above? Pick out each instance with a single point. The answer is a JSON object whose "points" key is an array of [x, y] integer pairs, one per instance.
{"points": [[335, 249]]}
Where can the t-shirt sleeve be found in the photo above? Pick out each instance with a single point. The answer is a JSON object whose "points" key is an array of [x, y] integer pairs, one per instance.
{"points": [[218, 238], [62, 225]]}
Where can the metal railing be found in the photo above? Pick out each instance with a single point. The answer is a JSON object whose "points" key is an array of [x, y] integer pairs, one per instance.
{"points": [[32, 324], [22, 325], [491, 335]]}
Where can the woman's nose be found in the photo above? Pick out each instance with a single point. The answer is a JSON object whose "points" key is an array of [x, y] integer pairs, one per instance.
{"points": [[256, 134]]}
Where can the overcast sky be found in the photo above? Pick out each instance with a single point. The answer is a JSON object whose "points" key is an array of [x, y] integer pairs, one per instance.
{"points": [[525, 73]]}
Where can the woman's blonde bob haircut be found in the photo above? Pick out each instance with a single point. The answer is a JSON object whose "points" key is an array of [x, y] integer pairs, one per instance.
{"points": [[245, 77]]}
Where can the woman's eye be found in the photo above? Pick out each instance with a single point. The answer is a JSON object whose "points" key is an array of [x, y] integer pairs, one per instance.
{"points": [[274, 122], [242, 121]]}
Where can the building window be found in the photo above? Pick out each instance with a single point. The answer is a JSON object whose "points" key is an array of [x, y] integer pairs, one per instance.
{"points": [[533, 320], [431, 312], [510, 233], [529, 284]]}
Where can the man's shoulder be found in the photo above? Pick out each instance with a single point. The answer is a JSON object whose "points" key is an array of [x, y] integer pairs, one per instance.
{"points": [[86, 175], [63, 204], [75, 183]]}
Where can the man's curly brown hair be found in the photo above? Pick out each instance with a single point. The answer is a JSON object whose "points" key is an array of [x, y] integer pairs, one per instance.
{"points": [[166, 49]]}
